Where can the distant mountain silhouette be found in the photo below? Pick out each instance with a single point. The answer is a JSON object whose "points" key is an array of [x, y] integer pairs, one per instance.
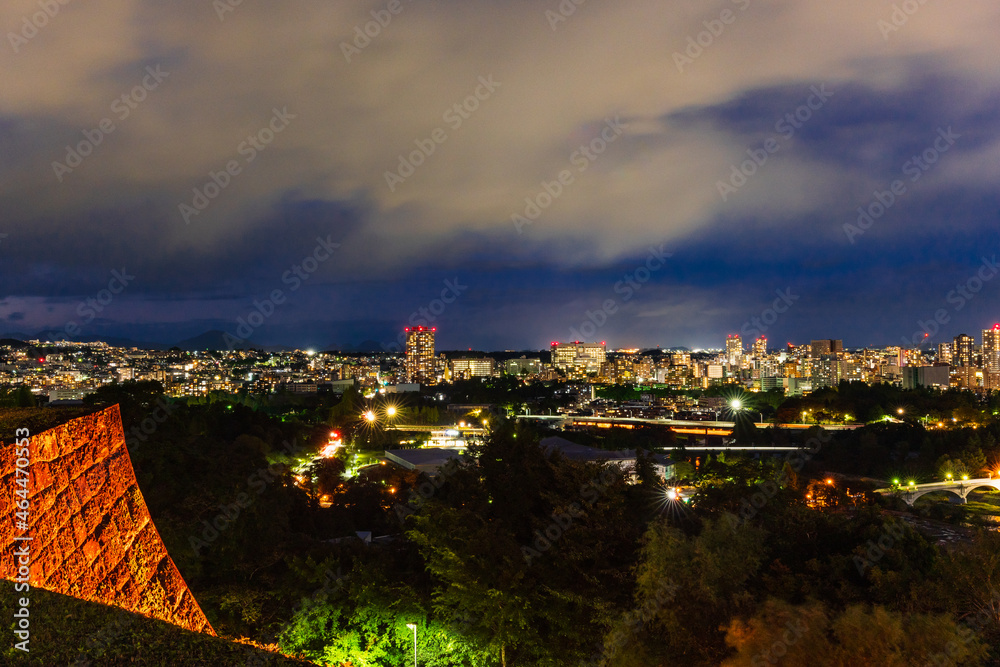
{"points": [[216, 340], [212, 340]]}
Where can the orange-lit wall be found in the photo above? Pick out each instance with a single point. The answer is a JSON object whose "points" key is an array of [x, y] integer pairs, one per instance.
{"points": [[93, 536]]}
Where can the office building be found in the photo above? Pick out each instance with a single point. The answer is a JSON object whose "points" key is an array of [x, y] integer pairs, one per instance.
{"points": [[578, 358], [523, 366], [944, 353], [465, 369], [964, 351], [828, 370], [937, 376], [818, 348], [734, 349], [420, 362], [760, 348], [991, 349]]}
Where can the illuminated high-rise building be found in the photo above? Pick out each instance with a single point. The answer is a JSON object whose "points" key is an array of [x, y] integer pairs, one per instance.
{"points": [[991, 349], [964, 350], [760, 348], [420, 365], [579, 358], [827, 346], [734, 349], [945, 353]]}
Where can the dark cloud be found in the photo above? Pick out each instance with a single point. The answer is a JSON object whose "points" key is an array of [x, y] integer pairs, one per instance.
{"points": [[323, 176]]}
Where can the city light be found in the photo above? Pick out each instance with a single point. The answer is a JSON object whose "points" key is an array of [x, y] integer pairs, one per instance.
{"points": [[369, 416]]}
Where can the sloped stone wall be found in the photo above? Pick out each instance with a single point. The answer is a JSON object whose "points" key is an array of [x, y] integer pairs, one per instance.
{"points": [[93, 538]]}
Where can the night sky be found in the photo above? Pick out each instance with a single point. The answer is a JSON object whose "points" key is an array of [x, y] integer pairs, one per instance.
{"points": [[646, 233]]}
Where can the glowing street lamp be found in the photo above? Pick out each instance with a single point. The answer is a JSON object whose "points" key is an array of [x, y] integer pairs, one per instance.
{"points": [[369, 416], [413, 626], [736, 404], [390, 411], [899, 411]]}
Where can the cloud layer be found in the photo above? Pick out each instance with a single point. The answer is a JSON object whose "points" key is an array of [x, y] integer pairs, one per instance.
{"points": [[503, 105]]}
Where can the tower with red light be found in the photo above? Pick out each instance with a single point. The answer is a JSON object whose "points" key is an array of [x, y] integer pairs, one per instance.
{"points": [[420, 355], [991, 349]]}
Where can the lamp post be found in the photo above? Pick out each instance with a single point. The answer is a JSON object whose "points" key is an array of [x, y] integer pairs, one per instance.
{"points": [[413, 626]]}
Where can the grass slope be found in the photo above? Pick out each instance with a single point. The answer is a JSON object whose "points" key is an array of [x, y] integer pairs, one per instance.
{"points": [[68, 631]]}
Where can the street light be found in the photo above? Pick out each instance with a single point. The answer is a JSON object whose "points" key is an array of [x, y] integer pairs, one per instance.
{"points": [[391, 411], [413, 626], [369, 416]]}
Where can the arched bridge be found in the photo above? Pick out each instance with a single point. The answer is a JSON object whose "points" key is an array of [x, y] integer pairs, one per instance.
{"points": [[961, 488]]}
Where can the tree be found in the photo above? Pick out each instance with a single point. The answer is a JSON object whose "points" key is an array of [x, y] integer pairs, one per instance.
{"points": [[532, 548], [710, 571], [808, 636]]}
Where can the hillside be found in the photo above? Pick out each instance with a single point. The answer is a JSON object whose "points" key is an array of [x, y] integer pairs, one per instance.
{"points": [[68, 631]]}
